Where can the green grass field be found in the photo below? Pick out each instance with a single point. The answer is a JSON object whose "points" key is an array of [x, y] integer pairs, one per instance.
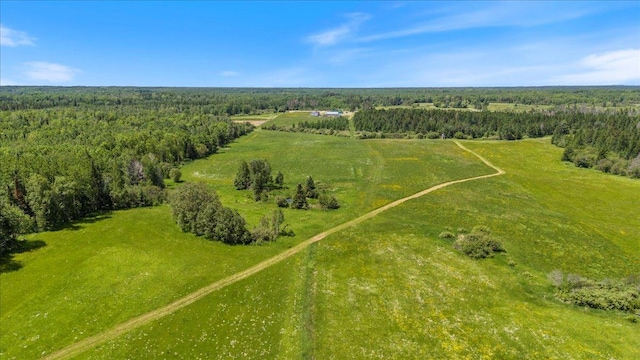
{"points": [[388, 287]]}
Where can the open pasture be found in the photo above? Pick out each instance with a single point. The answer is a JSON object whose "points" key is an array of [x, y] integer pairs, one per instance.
{"points": [[390, 288], [125, 263]]}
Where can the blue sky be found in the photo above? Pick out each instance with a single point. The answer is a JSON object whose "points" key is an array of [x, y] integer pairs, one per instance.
{"points": [[319, 44]]}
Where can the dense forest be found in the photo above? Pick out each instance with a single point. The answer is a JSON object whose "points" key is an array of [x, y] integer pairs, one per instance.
{"points": [[69, 151], [233, 101], [63, 162]]}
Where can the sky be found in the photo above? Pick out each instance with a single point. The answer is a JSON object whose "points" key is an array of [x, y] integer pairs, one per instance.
{"points": [[319, 44]]}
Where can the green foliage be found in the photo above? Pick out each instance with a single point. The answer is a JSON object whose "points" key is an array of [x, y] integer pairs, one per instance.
{"points": [[13, 222], [299, 200], [188, 201], [242, 180], [328, 202], [478, 244], [257, 176], [231, 227], [281, 201], [196, 208], [260, 177], [607, 294], [447, 235], [175, 174], [279, 181], [310, 188], [269, 228]]}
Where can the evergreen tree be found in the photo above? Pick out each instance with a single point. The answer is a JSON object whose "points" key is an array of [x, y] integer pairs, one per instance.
{"points": [[279, 179], [310, 188], [300, 199]]}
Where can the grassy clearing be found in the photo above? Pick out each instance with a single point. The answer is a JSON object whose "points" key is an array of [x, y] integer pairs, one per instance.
{"points": [[291, 118], [517, 107], [363, 175], [391, 288], [265, 116]]}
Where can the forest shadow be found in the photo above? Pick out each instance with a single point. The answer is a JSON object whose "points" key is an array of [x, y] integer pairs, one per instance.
{"points": [[87, 220], [9, 264]]}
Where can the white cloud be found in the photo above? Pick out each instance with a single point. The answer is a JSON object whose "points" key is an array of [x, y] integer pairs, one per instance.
{"points": [[609, 68], [51, 72], [13, 38], [344, 31], [229, 73], [501, 14]]}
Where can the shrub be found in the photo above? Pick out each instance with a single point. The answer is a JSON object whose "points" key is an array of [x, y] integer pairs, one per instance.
{"points": [[604, 165], [433, 135], [447, 235], [481, 229], [328, 202], [605, 295], [462, 230], [282, 202], [175, 174], [584, 160], [478, 244]]}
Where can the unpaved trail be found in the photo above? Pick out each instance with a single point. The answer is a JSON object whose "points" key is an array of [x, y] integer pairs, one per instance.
{"points": [[95, 340]]}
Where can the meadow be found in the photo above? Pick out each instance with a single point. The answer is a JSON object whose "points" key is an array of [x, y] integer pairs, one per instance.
{"points": [[387, 287], [125, 263]]}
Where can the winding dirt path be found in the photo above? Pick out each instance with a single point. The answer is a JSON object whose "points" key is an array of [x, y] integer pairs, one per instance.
{"points": [[95, 340]]}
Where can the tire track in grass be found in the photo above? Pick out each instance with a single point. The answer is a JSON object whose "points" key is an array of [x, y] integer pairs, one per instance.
{"points": [[136, 322]]}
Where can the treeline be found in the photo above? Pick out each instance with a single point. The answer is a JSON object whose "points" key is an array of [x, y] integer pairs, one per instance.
{"points": [[62, 163], [330, 126], [609, 143], [459, 124], [232, 101]]}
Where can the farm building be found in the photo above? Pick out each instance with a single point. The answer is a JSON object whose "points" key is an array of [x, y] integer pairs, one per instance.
{"points": [[315, 113], [333, 113]]}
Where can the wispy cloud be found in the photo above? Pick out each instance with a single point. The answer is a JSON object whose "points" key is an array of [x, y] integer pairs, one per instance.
{"points": [[51, 72], [13, 38], [344, 31], [609, 68], [502, 14], [229, 73]]}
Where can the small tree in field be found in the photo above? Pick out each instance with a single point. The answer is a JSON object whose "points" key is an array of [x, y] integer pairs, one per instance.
{"points": [[243, 177], [300, 199], [175, 174], [310, 188], [279, 179]]}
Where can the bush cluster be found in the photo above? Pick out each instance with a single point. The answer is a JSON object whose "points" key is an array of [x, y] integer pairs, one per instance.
{"points": [[197, 209], [605, 295], [478, 244]]}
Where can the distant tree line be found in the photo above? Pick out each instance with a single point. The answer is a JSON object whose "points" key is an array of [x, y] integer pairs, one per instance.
{"points": [[233, 101], [608, 141], [330, 126]]}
